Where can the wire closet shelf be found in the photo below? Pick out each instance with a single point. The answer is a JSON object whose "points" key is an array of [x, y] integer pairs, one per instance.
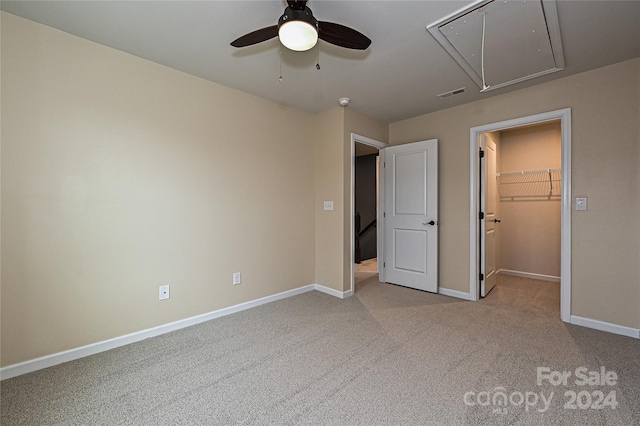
{"points": [[530, 184]]}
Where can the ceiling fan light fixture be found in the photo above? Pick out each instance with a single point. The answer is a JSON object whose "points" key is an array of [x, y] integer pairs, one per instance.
{"points": [[298, 35]]}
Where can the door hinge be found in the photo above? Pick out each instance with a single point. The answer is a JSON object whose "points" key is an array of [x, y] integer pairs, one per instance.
{"points": [[481, 215], [384, 214], [481, 154], [384, 264], [481, 277]]}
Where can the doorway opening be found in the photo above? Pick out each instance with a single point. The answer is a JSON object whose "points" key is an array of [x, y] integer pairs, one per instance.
{"points": [[520, 182], [366, 201], [366, 223], [527, 189]]}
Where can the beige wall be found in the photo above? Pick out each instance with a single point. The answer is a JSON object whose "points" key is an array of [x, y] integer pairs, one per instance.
{"points": [[605, 153], [120, 175], [530, 227], [329, 173]]}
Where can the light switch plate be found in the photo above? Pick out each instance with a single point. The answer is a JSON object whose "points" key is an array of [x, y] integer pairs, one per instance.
{"points": [[328, 205], [581, 204]]}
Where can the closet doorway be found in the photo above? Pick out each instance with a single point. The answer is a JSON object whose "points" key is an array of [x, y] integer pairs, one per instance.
{"points": [[520, 203], [520, 174]]}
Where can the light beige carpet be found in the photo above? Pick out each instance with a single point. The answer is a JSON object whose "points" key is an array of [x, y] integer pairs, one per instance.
{"points": [[386, 356]]}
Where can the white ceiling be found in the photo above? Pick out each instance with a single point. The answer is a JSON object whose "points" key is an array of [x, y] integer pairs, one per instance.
{"points": [[398, 77]]}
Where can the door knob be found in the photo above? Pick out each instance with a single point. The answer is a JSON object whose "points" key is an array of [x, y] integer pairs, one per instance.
{"points": [[429, 223]]}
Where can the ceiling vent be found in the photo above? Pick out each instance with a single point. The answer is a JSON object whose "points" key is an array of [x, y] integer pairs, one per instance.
{"points": [[456, 92], [503, 42]]}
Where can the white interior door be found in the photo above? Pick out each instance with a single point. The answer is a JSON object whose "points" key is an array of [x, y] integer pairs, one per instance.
{"points": [[411, 215], [489, 203]]}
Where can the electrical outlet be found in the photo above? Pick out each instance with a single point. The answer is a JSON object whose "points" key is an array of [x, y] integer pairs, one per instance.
{"points": [[237, 278], [164, 292]]}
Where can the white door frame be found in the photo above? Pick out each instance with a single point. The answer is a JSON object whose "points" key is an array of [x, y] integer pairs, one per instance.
{"points": [[355, 138], [564, 115]]}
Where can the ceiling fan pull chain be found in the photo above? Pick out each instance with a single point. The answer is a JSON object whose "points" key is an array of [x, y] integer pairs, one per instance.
{"points": [[317, 57], [280, 56]]}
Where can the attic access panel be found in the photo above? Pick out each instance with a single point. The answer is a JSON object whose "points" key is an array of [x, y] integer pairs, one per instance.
{"points": [[521, 40]]}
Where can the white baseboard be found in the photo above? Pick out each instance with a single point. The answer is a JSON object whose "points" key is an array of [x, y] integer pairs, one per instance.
{"points": [[606, 326], [332, 292], [454, 293], [94, 348], [531, 275]]}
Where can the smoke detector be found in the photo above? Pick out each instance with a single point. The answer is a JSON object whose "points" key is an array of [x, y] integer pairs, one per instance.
{"points": [[344, 101]]}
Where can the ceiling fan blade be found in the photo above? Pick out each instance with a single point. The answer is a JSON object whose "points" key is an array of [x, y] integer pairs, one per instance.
{"points": [[297, 4], [257, 36], [342, 36]]}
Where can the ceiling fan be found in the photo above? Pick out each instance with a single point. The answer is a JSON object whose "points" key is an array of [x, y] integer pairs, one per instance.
{"points": [[298, 30]]}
